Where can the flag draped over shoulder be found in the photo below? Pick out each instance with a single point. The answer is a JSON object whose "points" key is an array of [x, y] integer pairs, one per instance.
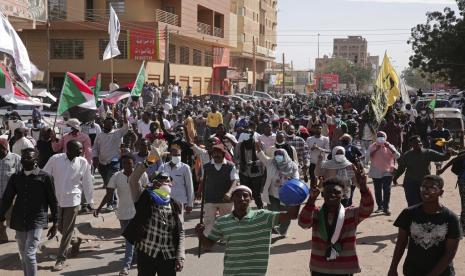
{"points": [[75, 92], [386, 91], [139, 84], [113, 30]]}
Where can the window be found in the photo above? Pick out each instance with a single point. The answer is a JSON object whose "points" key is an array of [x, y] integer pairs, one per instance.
{"points": [[57, 9], [208, 58], [169, 9], [122, 46], [118, 5], [197, 57], [67, 49], [184, 55], [172, 53]]}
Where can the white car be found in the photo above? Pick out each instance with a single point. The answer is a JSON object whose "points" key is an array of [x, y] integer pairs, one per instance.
{"points": [[264, 96]]}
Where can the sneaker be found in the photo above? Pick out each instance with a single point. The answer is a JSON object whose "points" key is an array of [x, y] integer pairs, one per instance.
{"points": [[379, 210], [124, 271], [387, 212], [59, 265], [110, 208]]}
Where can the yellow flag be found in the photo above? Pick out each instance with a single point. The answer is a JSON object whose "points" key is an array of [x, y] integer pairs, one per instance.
{"points": [[388, 81]]}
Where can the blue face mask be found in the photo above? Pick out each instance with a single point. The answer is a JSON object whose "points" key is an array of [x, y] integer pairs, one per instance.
{"points": [[279, 158]]}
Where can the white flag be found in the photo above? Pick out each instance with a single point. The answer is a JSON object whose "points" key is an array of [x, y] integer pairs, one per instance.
{"points": [[113, 30], [11, 44]]}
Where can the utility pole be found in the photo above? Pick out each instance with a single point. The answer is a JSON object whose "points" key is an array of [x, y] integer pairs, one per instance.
{"points": [[166, 69], [48, 55], [292, 73], [254, 67], [284, 75], [318, 45]]}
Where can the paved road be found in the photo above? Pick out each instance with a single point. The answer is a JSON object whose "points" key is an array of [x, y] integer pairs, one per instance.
{"points": [[102, 252]]}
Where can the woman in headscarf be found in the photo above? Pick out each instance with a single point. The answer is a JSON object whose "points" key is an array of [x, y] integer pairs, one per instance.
{"points": [[339, 167], [279, 169]]}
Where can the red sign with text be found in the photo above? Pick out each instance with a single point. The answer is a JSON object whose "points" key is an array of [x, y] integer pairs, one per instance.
{"points": [[327, 81], [142, 44]]}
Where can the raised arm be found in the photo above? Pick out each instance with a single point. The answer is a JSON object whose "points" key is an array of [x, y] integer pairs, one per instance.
{"points": [[136, 189]]}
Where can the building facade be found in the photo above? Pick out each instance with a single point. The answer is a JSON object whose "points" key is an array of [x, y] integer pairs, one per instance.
{"points": [[353, 49], [78, 37], [256, 20]]}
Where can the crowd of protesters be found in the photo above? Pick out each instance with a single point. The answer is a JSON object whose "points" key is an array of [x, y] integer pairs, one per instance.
{"points": [[158, 156]]}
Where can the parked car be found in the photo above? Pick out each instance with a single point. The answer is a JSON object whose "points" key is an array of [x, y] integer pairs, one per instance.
{"points": [[453, 121], [246, 97], [264, 96], [440, 103]]}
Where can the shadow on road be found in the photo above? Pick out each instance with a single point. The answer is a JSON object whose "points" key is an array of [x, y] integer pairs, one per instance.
{"points": [[289, 248], [378, 241], [110, 268]]}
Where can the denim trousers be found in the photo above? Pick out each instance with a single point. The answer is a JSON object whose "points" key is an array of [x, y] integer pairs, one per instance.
{"points": [[275, 205], [412, 192], [28, 241], [129, 253], [383, 191]]}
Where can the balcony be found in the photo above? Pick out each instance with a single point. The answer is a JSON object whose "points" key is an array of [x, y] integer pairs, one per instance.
{"points": [[265, 51], [204, 28], [218, 32], [167, 17]]}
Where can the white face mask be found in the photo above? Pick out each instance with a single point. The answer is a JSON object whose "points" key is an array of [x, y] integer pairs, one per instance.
{"points": [[279, 158], [339, 158], [166, 188], [381, 140], [176, 159], [280, 144], [66, 129]]}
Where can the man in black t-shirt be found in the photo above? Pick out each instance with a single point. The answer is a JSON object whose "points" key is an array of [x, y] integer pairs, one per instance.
{"points": [[440, 137], [431, 231]]}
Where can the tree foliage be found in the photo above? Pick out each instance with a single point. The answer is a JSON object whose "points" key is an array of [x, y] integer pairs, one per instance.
{"points": [[417, 79], [439, 45]]}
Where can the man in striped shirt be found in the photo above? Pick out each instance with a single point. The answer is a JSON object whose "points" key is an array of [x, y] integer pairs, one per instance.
{"points": [[335, 227], [247, 234]]}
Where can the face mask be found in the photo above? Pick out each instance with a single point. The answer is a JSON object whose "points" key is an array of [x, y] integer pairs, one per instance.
{"points": [[280, 144], [245, 136], [166, 189], [176, 159], [339, 158], [423, 112], [281, 116], [66, 129], [381, 140], [266, 120], [279, 158], [337, 120]]}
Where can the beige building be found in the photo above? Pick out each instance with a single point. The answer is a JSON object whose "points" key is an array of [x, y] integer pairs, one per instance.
{"points": [[24, 14], [256, 20], [78, 37], [353, 48]]}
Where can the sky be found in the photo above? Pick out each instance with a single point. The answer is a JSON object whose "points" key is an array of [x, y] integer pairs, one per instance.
{"points": [[385, 24]]}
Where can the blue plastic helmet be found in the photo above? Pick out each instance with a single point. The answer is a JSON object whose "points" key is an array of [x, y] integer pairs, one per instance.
{"points": [[293, 192]]}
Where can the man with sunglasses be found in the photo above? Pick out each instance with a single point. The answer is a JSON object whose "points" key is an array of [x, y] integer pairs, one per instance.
{"points": [[431, 231]]}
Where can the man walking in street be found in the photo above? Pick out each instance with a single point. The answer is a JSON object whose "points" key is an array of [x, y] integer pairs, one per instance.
{"points": [[214, 119], [334, 228], [106, 151], [318, 145], [72, 175], [182, 190], [430, 230], [416, 163], [59, 145], [247, 233], [33, 192], [10, 163]]}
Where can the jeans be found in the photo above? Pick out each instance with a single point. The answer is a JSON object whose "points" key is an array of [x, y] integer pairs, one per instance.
{"points": [[383, 191], [275, 205], [148, 266], [412, 192], [28, 241], [128, 254], [255, 184], [107, 171]]}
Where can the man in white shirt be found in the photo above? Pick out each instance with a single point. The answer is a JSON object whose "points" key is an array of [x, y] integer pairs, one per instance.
{"points": [[182, 190], [268, 139], [318, 145], [72, 177], [22, 142], [411, 112], [143, 125], [126, 209]]}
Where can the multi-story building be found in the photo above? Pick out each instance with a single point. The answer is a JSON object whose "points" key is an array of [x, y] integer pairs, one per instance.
{"points": [[198, 39], [256, 21], [353, 48], [24, 14]]}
